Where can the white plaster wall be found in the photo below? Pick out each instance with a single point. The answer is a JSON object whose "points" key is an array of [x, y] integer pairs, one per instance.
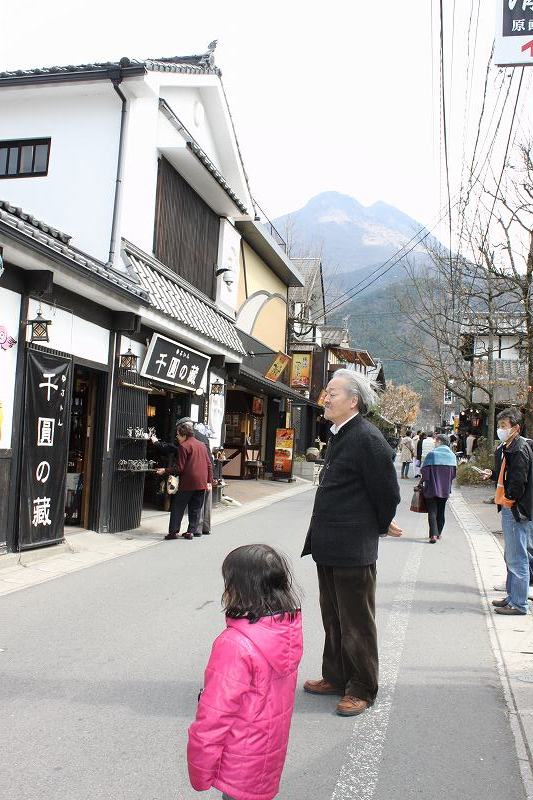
{"points": [[77, 195], [9, 320], [228, 256], [71, 334], [509, 347], [185, 102], [140, 173], [136, 347]]}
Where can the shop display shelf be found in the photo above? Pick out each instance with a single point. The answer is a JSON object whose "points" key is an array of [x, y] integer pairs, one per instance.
{"points": [[122, 469]]}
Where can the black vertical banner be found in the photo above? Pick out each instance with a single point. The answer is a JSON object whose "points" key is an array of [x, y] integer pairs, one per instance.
{"points": [[45, 448]]}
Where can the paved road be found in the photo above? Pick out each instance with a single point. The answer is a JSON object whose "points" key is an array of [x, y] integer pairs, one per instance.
{"points": [[100, 671]]}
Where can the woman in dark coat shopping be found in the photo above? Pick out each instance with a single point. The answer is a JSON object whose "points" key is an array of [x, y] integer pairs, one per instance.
{"points": [[438, 472], [195, 471]]}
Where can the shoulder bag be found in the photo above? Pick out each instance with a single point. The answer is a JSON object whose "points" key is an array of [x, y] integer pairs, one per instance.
{"points": [[418, 501]]}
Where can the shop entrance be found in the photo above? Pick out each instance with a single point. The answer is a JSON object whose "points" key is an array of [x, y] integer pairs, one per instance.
{"points": [[163, 411], [83, 453]]}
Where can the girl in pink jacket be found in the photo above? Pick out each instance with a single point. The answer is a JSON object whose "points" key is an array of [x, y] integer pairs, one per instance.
{"points": [[239, 739]]}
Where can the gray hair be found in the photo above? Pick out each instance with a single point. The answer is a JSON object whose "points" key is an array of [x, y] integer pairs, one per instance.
{"points": [[441, 438], [358, 385]]}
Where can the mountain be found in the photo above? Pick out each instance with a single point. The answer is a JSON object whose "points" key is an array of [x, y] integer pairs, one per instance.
{"points": [[353, 237], [353, 240]]}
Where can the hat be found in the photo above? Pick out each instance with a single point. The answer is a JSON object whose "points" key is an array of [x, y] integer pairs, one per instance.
{"points": [[184, 421]]}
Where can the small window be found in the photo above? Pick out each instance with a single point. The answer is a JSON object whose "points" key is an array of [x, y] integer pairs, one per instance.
{"points": [[25, 158]]}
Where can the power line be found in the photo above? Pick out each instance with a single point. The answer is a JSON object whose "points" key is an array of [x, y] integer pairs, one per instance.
{"points": [[444, 123], [504, 160]]}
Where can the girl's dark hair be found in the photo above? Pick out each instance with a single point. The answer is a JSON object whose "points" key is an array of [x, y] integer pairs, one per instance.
{"points": [[258, 582]]}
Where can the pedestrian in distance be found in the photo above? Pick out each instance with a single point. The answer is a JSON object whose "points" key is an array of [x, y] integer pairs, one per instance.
{"points": [[470, 445], [427, 446], [406, 453], [418, 460], [195, 471], [238, 742], [438, 473], [513, 473], [200, 432], [354, 505]]}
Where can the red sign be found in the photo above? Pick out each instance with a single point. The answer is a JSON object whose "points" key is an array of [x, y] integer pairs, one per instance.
{"points": [[284, 453]]}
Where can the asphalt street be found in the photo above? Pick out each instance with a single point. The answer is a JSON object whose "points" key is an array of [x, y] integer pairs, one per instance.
{"points": [[100, 672]]}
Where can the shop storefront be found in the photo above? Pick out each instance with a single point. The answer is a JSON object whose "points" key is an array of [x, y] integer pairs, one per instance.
{"points": [[164, 382]]}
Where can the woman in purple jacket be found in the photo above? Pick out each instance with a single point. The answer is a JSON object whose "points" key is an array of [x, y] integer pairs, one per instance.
{"points": [[438, 472]]}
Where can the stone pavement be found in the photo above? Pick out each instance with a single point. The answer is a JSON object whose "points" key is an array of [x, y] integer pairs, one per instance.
{"points": [[511, 637], [83, 549]]}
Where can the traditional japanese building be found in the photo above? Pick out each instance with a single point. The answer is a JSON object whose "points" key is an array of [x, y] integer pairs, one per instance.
{"points": [[139, 162]]}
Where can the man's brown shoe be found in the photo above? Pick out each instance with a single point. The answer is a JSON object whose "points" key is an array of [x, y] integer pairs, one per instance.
{"points": [[500, 603], [322, 687], [351, 706]]}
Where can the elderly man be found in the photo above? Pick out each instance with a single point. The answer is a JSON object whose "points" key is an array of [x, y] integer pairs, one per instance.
{"points": [[204, 523], [354, 505]]}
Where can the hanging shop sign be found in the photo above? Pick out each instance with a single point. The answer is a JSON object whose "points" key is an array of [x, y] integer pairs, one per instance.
{"points": [[284, 453], [277, 367], [172, 363], [301, 370], [44, 448], [513, 44]]}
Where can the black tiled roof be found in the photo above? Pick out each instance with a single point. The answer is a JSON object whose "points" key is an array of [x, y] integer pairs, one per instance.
{"points": [[16, 211], [196, 64], [39, 233], [171, 294]]}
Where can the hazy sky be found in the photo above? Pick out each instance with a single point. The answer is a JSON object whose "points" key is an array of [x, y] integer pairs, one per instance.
{"points": [[325, 96]]}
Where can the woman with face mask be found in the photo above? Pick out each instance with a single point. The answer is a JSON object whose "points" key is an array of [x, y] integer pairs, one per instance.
{"points": [[514, 498]]}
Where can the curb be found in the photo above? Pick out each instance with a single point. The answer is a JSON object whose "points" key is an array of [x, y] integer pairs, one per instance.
{"points": [[485, 550]]}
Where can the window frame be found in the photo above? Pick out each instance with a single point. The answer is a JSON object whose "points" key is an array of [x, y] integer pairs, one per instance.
{"points": [[19, 144]]}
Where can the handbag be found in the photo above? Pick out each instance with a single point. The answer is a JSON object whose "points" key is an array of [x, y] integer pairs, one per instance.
{"points": [[172, 484], [418, 501]]}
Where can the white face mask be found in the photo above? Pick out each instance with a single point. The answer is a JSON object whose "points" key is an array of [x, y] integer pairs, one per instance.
{"points": [[504, 433]]}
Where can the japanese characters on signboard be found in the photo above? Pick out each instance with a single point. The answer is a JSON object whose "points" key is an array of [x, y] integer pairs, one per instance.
{"points": [[45, 448], [301, 370], [284, 453], [277, 367], [514, 32], [173, 363]]}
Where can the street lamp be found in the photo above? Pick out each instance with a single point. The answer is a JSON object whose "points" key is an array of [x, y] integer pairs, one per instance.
{"points": [[39, 328]]}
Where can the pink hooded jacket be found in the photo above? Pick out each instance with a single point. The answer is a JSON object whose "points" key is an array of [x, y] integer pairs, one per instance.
{"points": [[239, 739]]}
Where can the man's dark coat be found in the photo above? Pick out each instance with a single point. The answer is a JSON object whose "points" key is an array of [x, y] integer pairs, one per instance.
{"points": [[518, 477], [357, 497]]}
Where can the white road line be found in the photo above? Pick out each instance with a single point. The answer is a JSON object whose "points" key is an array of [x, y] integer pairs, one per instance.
{"points": [[359, 773]]}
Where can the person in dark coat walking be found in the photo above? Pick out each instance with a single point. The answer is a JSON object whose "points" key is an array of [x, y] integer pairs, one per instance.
{"points": [[195, 472], [354, 505]]}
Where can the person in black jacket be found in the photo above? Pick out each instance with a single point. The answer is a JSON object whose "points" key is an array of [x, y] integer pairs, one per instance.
{"points": [[354, 505], [513, 473]]}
